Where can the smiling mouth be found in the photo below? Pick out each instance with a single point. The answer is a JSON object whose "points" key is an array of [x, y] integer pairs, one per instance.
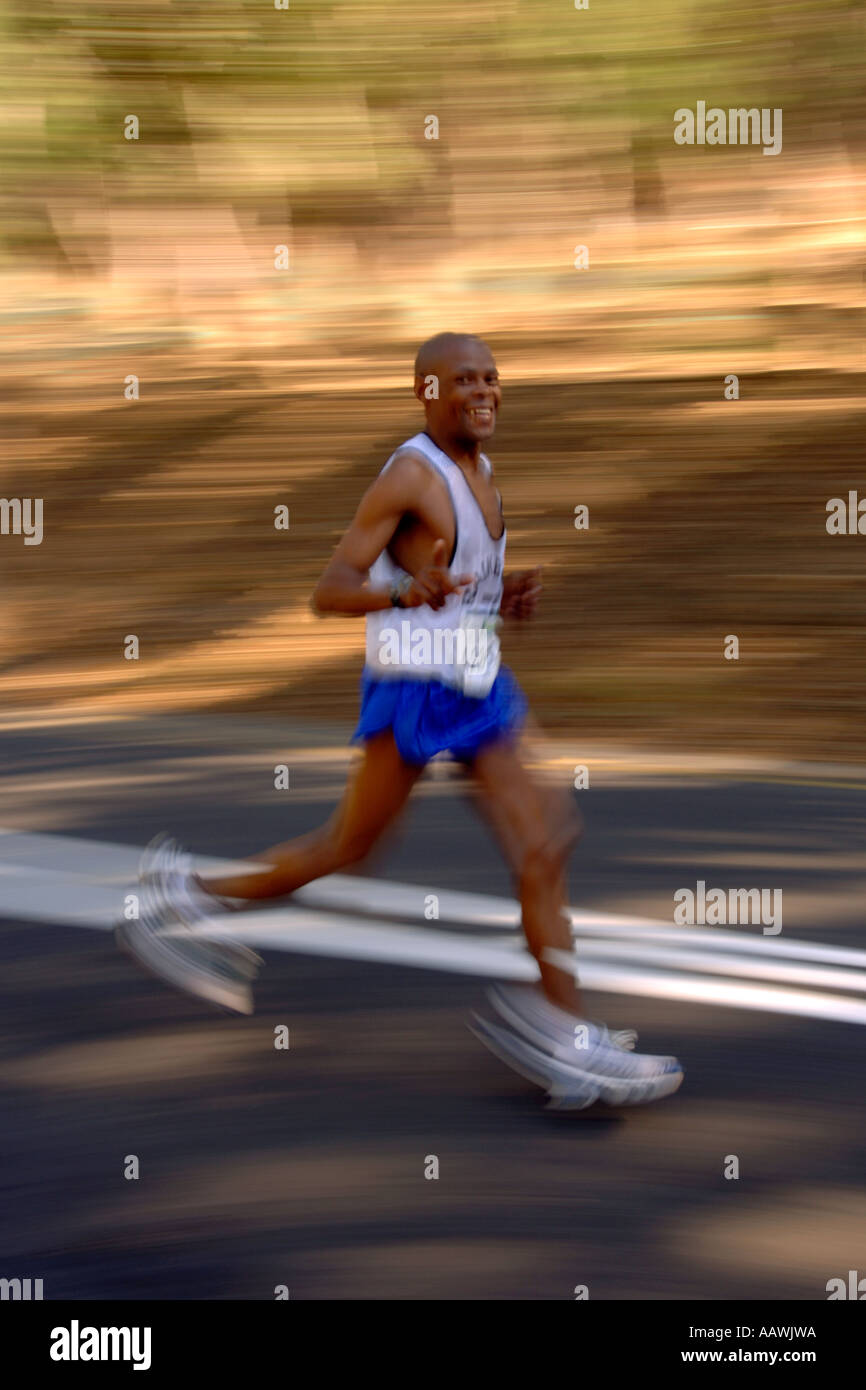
{"points": [[483, 415]]}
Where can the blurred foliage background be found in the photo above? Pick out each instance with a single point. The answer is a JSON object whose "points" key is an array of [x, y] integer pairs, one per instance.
{"points": [[307, 128]]}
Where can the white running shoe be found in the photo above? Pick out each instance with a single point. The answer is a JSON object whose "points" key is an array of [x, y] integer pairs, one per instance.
{"points": [[167, 937], [587, 1050]]}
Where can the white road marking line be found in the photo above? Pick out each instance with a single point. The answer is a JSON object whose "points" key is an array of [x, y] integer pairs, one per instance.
{"points": [[707, 963], [101, 862], [77, 882], [507, 959], [400, 900]]}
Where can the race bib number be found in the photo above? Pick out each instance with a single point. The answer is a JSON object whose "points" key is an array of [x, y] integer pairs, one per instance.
{"points": [[481, 653]]}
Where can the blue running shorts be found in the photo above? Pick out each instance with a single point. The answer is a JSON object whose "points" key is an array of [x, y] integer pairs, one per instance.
{"points": [[429, 717]]}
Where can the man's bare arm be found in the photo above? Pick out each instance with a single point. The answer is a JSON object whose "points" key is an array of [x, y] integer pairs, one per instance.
{"points": [[345, 585]]}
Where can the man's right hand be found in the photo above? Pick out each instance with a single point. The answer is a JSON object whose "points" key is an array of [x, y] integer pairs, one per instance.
{"points": [[435, 582]]}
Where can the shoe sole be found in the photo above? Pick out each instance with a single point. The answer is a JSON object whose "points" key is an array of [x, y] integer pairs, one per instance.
{"points": [[567, 1090]]}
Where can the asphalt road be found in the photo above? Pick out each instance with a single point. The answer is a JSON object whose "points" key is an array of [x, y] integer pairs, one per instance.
{"points": [[306, 1168]]}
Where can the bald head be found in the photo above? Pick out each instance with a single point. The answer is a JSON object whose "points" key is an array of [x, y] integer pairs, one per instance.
{"points": [[441, 348]]}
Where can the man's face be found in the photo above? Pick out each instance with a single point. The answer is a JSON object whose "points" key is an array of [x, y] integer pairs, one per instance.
{"points": [[469, 393]]}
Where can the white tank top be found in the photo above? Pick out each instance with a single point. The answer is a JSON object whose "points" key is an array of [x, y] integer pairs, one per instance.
{"points": [[457, 643]]}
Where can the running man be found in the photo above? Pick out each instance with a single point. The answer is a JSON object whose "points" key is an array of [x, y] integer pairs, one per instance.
{"points": [[423, 562]]}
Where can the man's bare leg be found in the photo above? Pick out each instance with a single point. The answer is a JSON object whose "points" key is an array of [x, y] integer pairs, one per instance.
{"points": [[377, 791], [538, 828], [538, 831]]}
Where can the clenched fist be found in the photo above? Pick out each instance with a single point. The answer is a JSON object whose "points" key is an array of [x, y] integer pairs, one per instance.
{"points": [[520, 593]]}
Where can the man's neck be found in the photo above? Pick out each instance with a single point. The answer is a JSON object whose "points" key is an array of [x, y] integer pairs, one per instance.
{"points": [[465, 453]]}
